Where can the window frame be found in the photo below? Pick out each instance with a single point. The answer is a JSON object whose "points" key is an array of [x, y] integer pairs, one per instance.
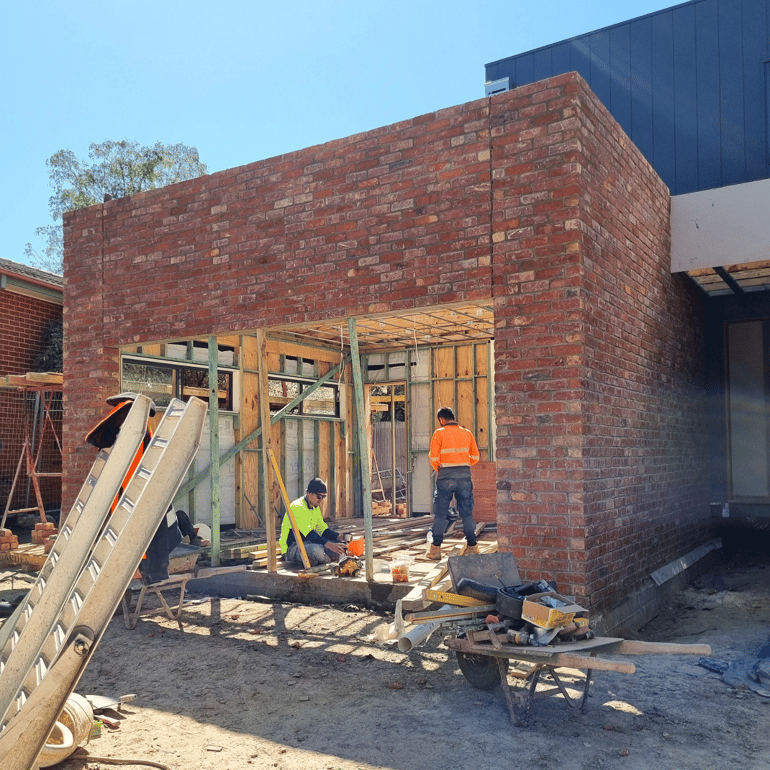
{"points": [[178, 389]]}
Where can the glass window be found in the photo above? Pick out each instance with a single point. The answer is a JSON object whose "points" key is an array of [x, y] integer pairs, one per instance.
{"points": [[323, 401], [162, 382], [749, 405], [195, 383], [152, 380]]}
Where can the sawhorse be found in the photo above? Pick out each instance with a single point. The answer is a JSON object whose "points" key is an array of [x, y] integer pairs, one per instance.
{"points": [[173, 582]]}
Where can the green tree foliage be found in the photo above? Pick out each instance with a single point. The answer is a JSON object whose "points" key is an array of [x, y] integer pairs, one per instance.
{"points": [[116, 169], [50, 356]]}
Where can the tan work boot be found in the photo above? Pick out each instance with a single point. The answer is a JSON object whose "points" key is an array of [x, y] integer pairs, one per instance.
{"points": [[434, 552], [472, 549]]}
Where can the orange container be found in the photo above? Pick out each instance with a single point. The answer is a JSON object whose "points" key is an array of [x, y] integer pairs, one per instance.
{"points": [[356, 547]]}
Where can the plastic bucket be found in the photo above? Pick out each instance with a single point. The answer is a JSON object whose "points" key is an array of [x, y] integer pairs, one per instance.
{"points": [[72, 729]]}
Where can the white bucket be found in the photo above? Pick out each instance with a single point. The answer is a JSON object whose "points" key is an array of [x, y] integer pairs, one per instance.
{"points": [[72, 729]]}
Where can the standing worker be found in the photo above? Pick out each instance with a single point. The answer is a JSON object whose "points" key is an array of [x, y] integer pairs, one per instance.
{"points": [[453, 450], [322, 544]]}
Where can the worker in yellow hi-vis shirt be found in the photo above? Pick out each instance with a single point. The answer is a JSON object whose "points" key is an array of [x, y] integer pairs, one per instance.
{"points": [[322, 544], [453, 450]]}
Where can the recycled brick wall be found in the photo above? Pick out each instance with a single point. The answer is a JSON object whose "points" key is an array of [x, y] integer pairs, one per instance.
{"points": [[392, 219], [533, 197], [22, 323], [599, 352]]}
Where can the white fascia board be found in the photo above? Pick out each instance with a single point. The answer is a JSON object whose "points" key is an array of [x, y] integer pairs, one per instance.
{"points": [[724, 226]]}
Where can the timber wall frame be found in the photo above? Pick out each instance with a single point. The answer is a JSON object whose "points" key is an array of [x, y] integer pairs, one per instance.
{"points": [[457, 375], [534, 200]]}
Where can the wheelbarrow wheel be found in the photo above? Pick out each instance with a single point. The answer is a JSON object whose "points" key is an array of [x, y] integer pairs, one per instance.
{"points": [[481, 671]]}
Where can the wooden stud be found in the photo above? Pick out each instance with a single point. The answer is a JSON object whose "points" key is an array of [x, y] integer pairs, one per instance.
{"points": [[267, 445], [214, 458]]}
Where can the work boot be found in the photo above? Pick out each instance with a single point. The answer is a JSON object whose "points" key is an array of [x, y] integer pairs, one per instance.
{"points": [[434, 552], [472, 549]]}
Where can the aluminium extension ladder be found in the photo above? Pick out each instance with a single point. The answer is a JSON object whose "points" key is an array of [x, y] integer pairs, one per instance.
{"points": [[48, 642]]}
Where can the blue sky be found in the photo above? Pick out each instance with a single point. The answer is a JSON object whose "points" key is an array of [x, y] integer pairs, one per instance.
{"points": [[243, 81]]}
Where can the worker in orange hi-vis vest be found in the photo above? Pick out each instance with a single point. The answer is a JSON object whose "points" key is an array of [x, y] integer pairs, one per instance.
{"points": [[453, 450]]}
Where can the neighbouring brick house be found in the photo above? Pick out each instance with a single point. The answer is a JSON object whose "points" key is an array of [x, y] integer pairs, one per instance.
{"points": [[30, 302], [532, 207]]}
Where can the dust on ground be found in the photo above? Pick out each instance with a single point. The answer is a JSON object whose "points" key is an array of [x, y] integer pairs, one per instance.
{"points": [[253, 684]]}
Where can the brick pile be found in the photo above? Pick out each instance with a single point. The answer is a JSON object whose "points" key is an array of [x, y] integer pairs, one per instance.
{"points": [[42, 532], [8, 541]]}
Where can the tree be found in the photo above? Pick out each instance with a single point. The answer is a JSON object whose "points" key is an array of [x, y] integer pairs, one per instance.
{"points": [[118, 169], [51, 354]]}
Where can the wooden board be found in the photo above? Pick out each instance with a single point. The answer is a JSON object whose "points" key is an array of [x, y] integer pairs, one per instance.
{"points": [[32, 380], [33, 556]]}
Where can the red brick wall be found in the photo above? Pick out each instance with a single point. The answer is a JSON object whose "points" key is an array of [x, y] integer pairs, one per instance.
{"points": [[599, 352], [533, 197], [22, 323]]}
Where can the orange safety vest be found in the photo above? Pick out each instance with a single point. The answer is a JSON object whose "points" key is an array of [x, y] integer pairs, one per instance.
{"points": [[134, 465], [453, 446]]}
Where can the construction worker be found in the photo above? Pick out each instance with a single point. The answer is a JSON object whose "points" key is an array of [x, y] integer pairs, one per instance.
{"points": [[176, 524], [322, 544], [453, 450]]}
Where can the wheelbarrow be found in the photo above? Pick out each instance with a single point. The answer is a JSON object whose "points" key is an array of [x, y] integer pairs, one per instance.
{"points": [[484, 655], [484, 658]]}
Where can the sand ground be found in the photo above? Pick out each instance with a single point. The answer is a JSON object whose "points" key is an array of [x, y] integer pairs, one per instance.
{"points": [[252, 684]]}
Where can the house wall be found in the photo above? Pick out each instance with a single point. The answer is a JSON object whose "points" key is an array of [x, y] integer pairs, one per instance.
{"points": [[599, 353], [687, 84], [534, 198], [23, 320]]}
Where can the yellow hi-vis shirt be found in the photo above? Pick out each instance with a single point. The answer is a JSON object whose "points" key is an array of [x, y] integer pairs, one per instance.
{"points": [[453, 447], [308, 520]]}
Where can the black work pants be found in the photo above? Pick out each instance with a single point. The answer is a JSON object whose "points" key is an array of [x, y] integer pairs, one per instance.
{"points": [[462, 490]]}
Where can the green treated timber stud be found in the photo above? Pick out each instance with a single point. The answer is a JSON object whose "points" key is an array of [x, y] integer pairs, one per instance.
{"points": [[491, 401], [214, 467], [366, 479]]}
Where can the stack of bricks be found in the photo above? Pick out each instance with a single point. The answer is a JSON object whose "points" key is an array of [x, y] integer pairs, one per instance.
{"points": [[8, 541], [42, 532], [385, 508]]}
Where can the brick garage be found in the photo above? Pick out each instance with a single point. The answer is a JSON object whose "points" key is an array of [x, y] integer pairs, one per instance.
{"points": [[534, 198]]}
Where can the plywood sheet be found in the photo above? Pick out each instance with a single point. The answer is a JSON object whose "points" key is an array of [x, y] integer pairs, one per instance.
{"points": [[465, 410]]}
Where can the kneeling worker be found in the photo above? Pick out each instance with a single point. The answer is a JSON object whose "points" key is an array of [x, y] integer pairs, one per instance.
{"points": [[322, 544]]}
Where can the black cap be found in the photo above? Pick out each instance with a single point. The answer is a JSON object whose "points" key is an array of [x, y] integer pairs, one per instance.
{"points": [[317, 487]]}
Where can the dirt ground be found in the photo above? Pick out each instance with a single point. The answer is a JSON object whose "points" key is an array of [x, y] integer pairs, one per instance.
{"points": [[258, 684]]}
